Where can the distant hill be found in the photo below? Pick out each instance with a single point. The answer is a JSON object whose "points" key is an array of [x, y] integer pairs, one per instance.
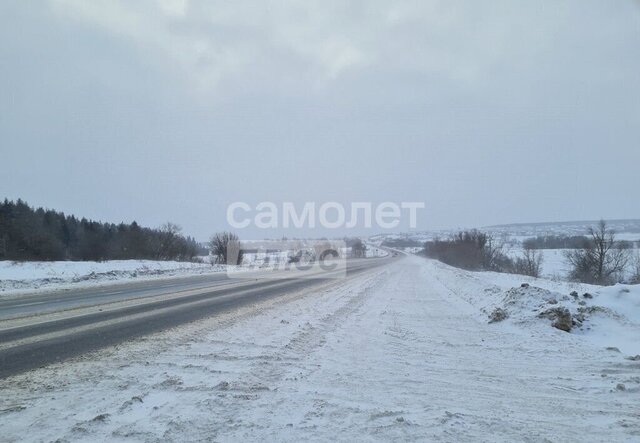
{"points": [[627, 229], [566, 227]]}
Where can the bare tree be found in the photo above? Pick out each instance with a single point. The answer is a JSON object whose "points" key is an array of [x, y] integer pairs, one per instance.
{"points": [[494, 257], [167, 240], [358, 249], [601, 260], [635, 270], [530, 263], [225, 247]]}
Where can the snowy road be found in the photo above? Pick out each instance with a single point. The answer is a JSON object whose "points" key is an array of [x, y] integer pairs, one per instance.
{"points": [[67, 324], [39, 303], [390, 354]]}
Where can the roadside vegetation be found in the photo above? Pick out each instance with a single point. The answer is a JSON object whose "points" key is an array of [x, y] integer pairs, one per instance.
{"points": [[476, 251], [596, 258], [226, 249], [358, 248], [601, 260]]}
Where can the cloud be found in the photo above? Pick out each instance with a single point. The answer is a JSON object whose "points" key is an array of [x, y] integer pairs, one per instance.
{"points": [[311, 44], [443, 101]]}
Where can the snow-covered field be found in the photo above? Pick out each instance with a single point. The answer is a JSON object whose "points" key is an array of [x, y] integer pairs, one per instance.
{"points": [[374, 251], [21, 277], [554, 262], [405, 353]]}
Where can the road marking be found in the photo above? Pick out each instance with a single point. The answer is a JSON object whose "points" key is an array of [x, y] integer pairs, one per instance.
{"points": [[81, 310], [71, 330], [28, 304]]}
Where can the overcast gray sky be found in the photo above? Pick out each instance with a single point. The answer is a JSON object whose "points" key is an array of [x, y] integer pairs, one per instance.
{"points": [[489, 112]]}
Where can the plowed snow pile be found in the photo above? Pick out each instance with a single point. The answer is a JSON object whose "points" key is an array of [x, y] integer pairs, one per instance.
{"points": [[404, 353], [605, 316]]}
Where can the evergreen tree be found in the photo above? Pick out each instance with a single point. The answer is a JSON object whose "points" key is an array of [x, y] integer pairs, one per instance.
{"points": [[43, 234]]}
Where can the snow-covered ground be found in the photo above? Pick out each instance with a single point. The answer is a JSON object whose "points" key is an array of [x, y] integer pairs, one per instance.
{"points": [[554, 262], [405, 353], [23, 277], [603, 316], [374, 251], [29, 277]]}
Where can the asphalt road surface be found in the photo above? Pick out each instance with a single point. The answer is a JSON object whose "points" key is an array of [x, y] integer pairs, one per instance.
{"points": [[39, 329]]}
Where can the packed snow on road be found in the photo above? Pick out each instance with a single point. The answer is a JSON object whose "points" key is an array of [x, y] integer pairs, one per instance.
{"points": [[411, 351], [28, 277]]}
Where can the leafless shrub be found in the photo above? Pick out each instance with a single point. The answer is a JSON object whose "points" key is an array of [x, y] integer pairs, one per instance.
{"points": [[530, 263], [358, 248], [601, 260], [225, 247], [635, 270], [472, 250]]}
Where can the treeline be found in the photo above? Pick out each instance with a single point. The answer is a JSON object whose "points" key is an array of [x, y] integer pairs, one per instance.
{"points": [[566, 242], [401, 243], [28, 233], [555, 242]]}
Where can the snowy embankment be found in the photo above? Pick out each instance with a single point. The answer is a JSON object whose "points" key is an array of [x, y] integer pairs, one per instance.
{"points": [[21, 277], [402, 353], [605, 316]]}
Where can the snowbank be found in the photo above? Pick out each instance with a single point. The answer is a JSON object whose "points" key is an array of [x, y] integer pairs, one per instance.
{"points": [[615, 318], [20, 277], [604, 316]]}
